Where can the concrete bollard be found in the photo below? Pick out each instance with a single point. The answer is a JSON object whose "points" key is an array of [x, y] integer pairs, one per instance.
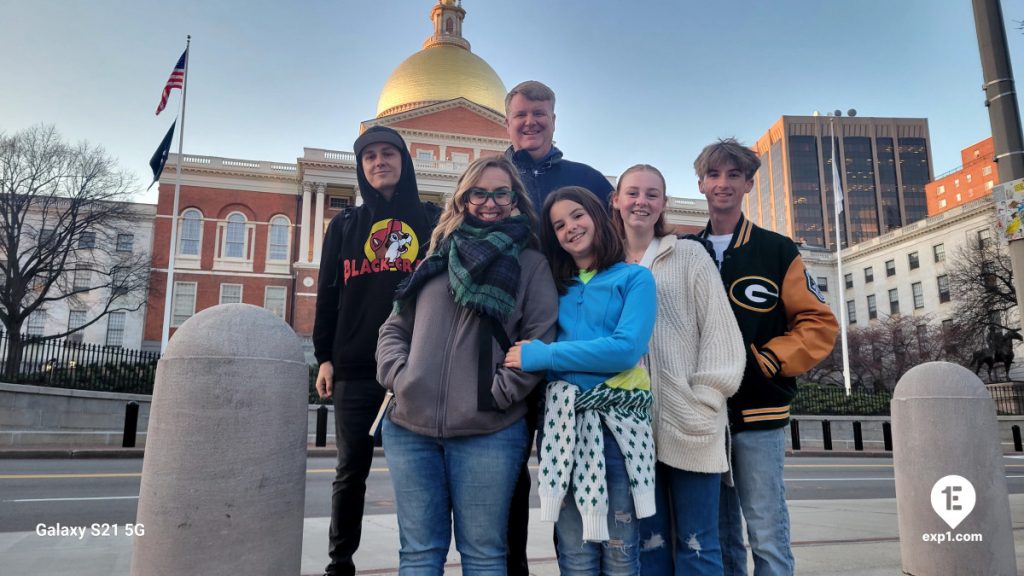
{"points": [[224, 475], [951, 497]]}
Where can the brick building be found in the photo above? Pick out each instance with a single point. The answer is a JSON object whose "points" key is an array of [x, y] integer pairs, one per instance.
{"points": [[973, 179]]}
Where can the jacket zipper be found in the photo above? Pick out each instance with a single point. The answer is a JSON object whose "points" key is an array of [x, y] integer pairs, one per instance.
{"points": [[442, 398]]}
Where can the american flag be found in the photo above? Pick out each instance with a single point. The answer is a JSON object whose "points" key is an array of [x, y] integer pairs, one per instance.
{"points": [[177, 80]]}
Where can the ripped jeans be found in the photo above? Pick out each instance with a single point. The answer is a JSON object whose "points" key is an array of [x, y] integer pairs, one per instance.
{"points": [[620, 555], [682, 537]]}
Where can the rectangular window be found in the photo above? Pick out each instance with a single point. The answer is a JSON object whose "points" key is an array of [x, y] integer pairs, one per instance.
{"points": [[894, 301], [968, 178], [119, 280], [918, 292], [941, 190], [337, 203], [890, 268], [184, 303], [913, 260], [81, 279], [87, 240], [273, 300], [424, 155], [460, 158], [115, 329], [76, 319], [984, 237], [36, 322], [943, 284], [124, 242], [869, 274], [986, 170], [822, 283], [46, 236], [848, 278], [851, 312], [230, 293], [872, 307], [939, 251], [988, 185], [942, 203]]}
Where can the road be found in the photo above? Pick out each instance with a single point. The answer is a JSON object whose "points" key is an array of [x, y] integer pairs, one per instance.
{"points": [[79, 492]]}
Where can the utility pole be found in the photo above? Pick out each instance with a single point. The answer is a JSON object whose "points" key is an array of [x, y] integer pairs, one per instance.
{"points": [[1003, 112]]}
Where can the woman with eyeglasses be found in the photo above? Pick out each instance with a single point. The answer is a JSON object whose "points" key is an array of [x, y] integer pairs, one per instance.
{"points": [[455, 433]]}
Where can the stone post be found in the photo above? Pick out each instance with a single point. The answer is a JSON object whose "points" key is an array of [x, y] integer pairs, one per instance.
{"points": [[224, 476], [950, 479]]}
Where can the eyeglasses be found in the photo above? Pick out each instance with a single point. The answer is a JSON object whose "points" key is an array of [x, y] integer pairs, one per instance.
{"points": [[501, 196]]}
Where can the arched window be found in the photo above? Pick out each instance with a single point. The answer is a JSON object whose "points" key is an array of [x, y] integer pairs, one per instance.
{"points": [[449, 26], [278, 248], [234, 241], [191, 232]]}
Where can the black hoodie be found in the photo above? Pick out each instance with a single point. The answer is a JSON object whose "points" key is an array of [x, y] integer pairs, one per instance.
{"points": [[367, 251]]}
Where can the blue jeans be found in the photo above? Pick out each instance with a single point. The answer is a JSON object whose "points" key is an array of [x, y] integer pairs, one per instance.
{"points": [[760, 493], [686, 522], [468, 478], [620, 555]]}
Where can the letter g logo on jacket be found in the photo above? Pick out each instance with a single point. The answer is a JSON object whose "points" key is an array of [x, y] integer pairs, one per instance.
{"points": [[754, 293]]}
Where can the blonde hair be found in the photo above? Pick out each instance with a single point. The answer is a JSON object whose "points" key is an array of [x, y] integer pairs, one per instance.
{"points": [[717, 154], [455, 210], [660, 227], [533, 91]]}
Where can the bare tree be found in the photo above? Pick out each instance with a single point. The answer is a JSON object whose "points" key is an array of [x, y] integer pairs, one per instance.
{"points": [[981, 282], [62, 208], [881, 352]]}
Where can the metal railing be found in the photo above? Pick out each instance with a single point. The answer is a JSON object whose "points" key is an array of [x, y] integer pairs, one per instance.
{"points": [[69, 364]]}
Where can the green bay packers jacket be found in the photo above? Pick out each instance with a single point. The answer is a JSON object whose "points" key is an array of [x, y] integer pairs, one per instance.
{"points": [[787, 327]]}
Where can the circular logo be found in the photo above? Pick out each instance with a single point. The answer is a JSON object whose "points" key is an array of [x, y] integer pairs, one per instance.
{"points": [[754, 293], [391, 240]]}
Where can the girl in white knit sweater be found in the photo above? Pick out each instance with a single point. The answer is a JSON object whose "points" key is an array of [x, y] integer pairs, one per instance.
{"points": [[696, 362]]}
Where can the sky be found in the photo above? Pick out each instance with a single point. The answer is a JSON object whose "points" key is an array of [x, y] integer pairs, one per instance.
{"points": [[648, 82]]}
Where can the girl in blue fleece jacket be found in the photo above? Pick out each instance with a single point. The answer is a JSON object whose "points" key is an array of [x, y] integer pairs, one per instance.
{"points": [[597, 447]]}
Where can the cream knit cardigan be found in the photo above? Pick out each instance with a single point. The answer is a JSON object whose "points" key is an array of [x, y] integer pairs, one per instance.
{"points": [[696, 358]]}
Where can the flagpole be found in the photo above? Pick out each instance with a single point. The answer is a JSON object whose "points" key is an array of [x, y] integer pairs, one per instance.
{"points": [[169, 292], [839, 257]]}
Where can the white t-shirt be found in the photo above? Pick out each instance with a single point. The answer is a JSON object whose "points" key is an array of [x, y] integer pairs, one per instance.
{"points": [[720, 242]]}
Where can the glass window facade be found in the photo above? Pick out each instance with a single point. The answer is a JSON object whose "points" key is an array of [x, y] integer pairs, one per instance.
{"points": [[830, 197], [914, 170], [779, 187], [860, 188], [887, 184], [806, 191]]}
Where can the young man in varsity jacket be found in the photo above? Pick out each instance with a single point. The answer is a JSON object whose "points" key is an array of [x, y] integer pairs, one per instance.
{"points": [[787, 329]]}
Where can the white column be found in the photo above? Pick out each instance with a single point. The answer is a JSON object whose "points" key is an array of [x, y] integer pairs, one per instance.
{"points": [[359, 197], [318, 224], [307, 189]]}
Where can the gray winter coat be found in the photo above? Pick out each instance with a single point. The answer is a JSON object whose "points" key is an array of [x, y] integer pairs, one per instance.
{"points": [[427, 355]]}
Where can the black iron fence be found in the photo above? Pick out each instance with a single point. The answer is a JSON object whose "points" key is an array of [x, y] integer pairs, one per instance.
{"points": [[70, 364]]}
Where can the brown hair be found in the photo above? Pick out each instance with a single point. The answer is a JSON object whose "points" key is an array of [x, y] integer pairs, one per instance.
{"points": [[660, 227], [455, 210], [727, 150], [531, 90], [607, 245]]}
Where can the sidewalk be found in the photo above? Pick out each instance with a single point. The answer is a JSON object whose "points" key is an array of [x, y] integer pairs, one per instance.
{"points": [[830, 537]]}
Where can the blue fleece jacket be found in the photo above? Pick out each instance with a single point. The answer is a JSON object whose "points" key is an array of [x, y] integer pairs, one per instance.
{"points": [[552, 172], [603, 328]]}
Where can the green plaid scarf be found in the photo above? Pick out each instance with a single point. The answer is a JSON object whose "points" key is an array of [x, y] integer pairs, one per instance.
{"points": [[482, 260]]}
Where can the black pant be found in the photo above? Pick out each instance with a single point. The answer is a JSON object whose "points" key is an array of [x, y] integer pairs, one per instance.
{"points": [[355, 406], [519, 513]]}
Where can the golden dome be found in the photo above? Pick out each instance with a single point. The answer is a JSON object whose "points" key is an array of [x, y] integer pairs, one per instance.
{"points": [[441, 72]]}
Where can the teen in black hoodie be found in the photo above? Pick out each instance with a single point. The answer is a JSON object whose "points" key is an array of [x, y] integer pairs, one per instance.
{"points": [[367, 251]]}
